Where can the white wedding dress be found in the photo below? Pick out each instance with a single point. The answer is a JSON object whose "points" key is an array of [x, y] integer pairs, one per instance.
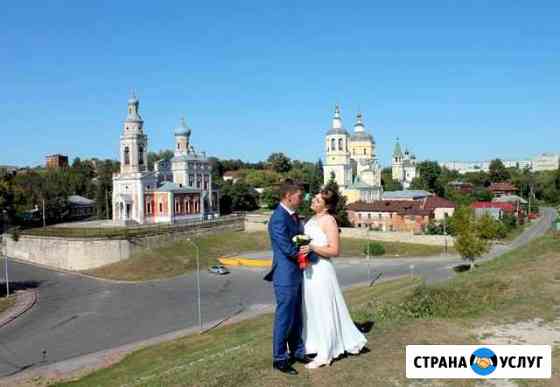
{"points": [[328, 329]]}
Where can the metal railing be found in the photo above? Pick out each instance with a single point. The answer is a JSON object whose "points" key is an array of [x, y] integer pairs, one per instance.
{"points": [[126, 232]]}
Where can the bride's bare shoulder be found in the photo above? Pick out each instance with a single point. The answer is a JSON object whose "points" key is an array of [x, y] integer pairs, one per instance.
{"points": [[328, 221]]}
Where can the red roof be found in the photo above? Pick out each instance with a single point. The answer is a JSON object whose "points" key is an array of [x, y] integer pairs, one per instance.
{"points": [[503, 186], [433, 202], [508, 207], [401, 207]]}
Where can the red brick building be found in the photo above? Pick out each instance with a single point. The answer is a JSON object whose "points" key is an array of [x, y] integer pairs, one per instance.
{"points": [[56, 161], [399, 215]]}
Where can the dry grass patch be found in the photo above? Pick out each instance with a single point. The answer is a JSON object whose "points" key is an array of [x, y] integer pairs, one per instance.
{"points": [[7, 302]]}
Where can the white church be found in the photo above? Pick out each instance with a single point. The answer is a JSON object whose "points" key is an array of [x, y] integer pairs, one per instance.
{"points": [[350, 158], [177, 190]]}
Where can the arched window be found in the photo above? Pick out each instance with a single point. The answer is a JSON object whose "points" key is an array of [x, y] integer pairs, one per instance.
{"points": [[141, 155], [364, 151], [333, 144], [126, 155], [177, 145], [340, 144], [161, 208]]}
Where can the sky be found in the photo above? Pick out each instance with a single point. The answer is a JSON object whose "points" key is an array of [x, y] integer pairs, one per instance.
{"points": [[454, 80]]}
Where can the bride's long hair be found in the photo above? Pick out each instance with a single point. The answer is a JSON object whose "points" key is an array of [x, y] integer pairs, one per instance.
{"points": [[331, 200]]}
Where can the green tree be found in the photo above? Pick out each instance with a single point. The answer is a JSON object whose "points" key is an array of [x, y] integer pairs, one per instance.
{"points": [[279, 162], [340, 213], [270, 198], [164, 154], [262, 178], [498, 172], [238, 197], [428, 177], [468, 241], [488, 227], [387, 180]]}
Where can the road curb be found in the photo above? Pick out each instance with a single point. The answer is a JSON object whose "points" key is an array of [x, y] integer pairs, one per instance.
{"points": [[25, 299], [75, 368]]}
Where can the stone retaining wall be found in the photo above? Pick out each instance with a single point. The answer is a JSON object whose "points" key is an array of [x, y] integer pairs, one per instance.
{"points": [[89, 253]]}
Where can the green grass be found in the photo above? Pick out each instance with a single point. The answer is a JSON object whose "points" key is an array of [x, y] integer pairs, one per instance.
{"points": [[523, 284], [355, 248], [179, 257], [6, 302]]}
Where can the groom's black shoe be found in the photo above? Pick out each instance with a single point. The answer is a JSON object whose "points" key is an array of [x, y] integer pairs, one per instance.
{"points": [[303, 360], [284, 366]]}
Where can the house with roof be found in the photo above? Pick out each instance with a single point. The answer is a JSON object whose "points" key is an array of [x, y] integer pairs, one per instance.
{"points": [[461, 186], [400, 214], [495, 209], [502, 188]]}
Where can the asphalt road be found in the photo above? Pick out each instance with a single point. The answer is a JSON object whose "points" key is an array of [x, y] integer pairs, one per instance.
{"points": [[76, 315]]}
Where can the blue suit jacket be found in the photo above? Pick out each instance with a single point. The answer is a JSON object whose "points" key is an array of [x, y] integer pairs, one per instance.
{"points": [[282, 228]]}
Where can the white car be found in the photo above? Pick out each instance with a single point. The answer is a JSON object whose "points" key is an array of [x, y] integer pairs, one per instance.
{"points": [[218, 269]]}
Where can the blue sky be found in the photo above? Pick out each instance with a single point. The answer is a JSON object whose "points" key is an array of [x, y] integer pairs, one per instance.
{"points": [[462, 80]]}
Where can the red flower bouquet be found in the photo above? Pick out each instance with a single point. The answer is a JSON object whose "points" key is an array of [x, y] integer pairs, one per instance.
{"points": [[302, 259]]}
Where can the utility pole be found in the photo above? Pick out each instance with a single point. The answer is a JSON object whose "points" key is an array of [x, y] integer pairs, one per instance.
{"points": [[44, 220], [445, 231]]}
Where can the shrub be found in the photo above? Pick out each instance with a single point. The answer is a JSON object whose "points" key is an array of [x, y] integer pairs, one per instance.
{"points": [[374, 249]]}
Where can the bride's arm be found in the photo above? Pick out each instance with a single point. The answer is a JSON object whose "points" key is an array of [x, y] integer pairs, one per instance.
{"points": [[332, 249]]}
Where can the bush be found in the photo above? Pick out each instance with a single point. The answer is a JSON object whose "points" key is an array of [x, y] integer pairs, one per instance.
{"points": [[374, 249]]}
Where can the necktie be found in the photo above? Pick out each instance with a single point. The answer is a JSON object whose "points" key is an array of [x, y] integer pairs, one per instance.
{"points": [[295, 217]]}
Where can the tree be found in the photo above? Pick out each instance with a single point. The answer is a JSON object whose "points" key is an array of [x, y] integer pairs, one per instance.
{"points": [[262, 178], [498, 172], [270, 198], [340, 213], [488, 227], [238, 197], [164, 154], [468, 241], [279, 162], [387, 181], [427, 179]]}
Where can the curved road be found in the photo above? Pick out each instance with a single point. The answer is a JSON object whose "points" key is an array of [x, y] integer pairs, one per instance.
{"points": [[76, 315]]}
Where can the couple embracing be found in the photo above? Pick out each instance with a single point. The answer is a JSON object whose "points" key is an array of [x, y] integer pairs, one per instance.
{"points": [[311, 315]]}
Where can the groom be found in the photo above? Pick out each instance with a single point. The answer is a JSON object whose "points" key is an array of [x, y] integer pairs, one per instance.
{"points": [[287, 279]]}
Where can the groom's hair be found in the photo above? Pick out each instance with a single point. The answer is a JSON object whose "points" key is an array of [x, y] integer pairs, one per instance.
{"points": [[289, 186]]}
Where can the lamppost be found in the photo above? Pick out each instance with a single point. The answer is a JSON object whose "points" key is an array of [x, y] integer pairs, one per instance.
{"points": [[197, 282], [4, 248]]}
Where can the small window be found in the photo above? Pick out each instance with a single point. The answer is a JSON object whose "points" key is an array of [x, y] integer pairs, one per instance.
{"points": [[340, 147], [160, 207], [333, 144], [126, 155]]}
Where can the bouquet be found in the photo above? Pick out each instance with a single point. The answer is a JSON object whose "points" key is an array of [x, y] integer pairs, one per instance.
{"points": [[302, 240]]}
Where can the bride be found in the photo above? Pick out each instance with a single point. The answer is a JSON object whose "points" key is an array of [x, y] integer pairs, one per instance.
{"points": [[328, 329]]}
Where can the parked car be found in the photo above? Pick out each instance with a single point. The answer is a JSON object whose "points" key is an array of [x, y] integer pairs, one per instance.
{"points": [[218, 269]]}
